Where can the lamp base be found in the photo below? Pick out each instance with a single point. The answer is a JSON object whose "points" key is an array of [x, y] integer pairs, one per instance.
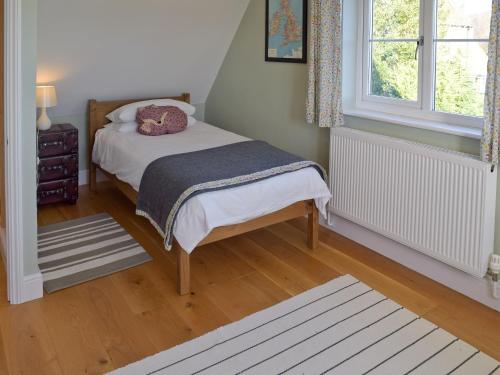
{"points": [[43, 122]]}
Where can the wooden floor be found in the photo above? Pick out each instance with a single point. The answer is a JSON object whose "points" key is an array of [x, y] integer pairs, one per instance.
{"points": [[107, 323]]}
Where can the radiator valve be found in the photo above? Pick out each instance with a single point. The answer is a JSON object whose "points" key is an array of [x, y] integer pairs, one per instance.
{"points": [[494, 272]]}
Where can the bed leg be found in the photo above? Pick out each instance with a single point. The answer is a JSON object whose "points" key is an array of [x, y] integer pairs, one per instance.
{"points": [[313, 228], [93, 177], [183, 271]]}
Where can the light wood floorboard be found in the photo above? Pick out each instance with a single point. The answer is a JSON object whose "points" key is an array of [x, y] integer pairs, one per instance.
{"points": [[107, 323]]}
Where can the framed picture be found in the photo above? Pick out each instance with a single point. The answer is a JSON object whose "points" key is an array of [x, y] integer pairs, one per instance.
{"points": [[286, 31]]}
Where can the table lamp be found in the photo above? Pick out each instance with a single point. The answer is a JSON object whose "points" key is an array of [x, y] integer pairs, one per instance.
{"points": [[45, 98]]}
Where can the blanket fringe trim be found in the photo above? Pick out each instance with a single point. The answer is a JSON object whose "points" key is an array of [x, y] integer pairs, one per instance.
{"points": [[154, 224]]}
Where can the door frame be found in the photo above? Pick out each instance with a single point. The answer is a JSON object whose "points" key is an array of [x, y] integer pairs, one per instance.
{"points": [[13, 151]]}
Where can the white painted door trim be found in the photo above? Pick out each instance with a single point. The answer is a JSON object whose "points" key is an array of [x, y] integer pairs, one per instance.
{"points": [[13, 157], [20, 288]]}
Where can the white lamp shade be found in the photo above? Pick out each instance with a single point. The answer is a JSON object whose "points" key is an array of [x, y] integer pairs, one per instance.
{"points": [[46, 96]]}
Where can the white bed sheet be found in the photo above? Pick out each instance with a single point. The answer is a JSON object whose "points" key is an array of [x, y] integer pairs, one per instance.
{"points": [[127, 155]]}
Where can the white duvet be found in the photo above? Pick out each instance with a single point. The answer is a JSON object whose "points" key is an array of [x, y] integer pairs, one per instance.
{"points": [[127, 155]]}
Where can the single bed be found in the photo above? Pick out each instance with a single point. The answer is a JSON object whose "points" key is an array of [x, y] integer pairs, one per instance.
{"points": [[210, 216]]}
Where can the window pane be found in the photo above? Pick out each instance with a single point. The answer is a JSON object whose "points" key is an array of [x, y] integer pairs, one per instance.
{"points": [[464, 19], [396, 19], [461, 77], [394, 71]]}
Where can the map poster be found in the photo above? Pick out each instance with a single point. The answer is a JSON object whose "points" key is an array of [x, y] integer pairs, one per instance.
{"points": [[286, 31]]}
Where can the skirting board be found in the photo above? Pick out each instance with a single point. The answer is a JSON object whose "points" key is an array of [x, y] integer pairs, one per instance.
{"points": [[83, 177], [474, 288], [32, 287]]}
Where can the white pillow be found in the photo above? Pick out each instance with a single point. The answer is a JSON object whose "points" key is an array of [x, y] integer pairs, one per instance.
{"points": [[128, 112], [127, 127], [130, 127], [122, 127], [191, 121]]}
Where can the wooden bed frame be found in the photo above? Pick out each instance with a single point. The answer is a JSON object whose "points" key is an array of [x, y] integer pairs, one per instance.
{"points": [[97, 120]]}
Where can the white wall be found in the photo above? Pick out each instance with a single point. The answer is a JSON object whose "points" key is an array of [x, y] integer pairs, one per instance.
{"points": [[28, 55], [125, 48]]}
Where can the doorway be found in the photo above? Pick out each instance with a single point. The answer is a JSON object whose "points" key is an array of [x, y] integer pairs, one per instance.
{"points": [[2, 135]]}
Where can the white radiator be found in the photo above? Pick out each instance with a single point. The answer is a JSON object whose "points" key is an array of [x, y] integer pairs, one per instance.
{"points": [[435, 201]]}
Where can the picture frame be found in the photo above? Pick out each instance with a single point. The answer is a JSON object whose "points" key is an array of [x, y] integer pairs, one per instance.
{"points": [[286, 39]]}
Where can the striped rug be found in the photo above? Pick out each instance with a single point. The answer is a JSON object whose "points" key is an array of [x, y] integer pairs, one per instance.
{"points": [[342, 327], [76, 251]]}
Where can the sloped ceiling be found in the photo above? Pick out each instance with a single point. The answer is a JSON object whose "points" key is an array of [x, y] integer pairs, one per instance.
{"points": [[132, 48]]}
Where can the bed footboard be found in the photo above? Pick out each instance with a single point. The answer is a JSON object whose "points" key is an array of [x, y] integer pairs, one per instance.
{"points": [[297, 210]]}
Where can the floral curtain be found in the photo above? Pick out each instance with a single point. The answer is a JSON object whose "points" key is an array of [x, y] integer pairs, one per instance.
{"points": [[491, 134], [324, 96]]}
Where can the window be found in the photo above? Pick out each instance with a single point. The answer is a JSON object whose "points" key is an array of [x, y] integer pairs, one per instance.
{"points": [[425, 58]]}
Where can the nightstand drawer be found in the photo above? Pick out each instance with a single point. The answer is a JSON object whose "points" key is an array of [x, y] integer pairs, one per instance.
{"points": [[58, 191], [57, 143], [58, 168]]}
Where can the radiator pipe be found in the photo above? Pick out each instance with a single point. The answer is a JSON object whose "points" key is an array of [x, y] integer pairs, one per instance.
{"points": [[494, 272]]}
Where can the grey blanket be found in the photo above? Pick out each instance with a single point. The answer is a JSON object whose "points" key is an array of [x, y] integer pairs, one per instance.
{"points": [[170, 181]]}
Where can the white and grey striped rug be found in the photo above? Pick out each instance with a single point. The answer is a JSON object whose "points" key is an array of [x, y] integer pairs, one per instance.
{"points": [[342, 327], [76, 251]]}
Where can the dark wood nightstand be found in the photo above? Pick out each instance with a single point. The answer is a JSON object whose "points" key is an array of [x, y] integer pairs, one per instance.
{"points": [[58, 165]]}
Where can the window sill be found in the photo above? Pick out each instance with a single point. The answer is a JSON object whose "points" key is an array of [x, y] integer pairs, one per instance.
{"points": [[462, 131]]}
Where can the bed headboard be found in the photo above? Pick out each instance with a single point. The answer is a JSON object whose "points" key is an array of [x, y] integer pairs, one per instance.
{"points": [[99, 110]]}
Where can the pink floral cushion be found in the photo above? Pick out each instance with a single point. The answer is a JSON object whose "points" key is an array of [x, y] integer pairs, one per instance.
{"points": [[154, 120]]}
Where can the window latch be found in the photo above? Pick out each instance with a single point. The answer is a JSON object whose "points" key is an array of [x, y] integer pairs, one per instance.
{"points": [[420, 43]]}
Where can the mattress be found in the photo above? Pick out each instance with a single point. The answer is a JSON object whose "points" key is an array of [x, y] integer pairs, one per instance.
{"points": [[127, 155]]}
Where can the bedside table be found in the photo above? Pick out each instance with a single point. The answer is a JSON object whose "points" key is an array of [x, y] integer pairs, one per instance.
{"points": [[58, 165]]}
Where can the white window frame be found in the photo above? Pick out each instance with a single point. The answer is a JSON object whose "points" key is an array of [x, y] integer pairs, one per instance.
{"points": [[409, 112]]}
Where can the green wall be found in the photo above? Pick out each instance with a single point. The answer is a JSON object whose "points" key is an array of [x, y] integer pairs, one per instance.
{"points": [[263, 100], [29, 50], [267, 100]]}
